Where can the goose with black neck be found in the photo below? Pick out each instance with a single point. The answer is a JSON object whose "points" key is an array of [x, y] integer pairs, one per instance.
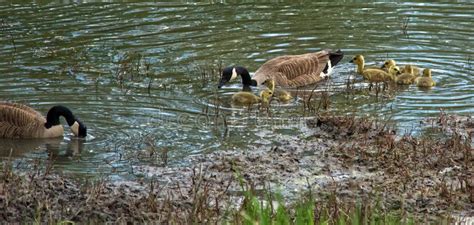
{"points": [[287, 70], [21, 121]]}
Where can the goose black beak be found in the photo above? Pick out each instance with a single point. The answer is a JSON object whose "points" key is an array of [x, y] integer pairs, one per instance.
{"points": [[222, 82], [352, 61]]}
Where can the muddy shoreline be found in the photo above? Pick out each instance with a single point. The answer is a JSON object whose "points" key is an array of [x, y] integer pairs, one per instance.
{"points": [[353, 159]]}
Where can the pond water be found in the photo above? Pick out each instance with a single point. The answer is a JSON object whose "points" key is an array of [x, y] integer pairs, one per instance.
{"points": [[139, 74]]}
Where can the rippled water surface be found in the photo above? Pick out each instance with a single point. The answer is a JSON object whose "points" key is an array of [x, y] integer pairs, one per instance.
{"points": [[134, 72]]}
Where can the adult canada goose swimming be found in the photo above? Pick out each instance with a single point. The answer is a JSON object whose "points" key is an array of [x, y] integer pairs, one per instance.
{"points": [[391, 62], [21, 121], [407, 77], [425, 80], [287, 70], [280, 94], [359, 61], [248, 98]]}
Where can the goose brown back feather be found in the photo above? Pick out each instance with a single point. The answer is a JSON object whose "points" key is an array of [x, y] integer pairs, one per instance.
{"points": [[293, 70], [20, 121]]}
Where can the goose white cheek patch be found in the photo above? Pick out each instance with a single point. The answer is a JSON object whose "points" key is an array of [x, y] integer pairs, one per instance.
{"points": [[324, 75], [75, 128], [234, 74]]}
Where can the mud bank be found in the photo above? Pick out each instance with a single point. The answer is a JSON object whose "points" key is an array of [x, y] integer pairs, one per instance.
{"points": [[352, 159]]}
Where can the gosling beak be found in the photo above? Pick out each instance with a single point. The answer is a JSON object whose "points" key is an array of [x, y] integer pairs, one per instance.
{"points": [[352, 61]]}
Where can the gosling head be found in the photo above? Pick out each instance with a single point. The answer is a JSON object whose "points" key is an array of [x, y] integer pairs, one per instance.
{"points": [[266, 95], [358, 59], [427, 72], [409, 69], [270, 83], [389, 63], [394, 70]]}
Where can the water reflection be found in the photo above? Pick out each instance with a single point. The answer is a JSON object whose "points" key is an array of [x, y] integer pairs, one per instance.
{"points": [[52, 146]]}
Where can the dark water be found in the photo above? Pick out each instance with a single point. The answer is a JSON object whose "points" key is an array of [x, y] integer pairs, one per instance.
{"points": [[133, 72]]}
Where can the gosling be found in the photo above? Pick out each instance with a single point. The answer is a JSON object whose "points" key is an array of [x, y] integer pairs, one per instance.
{"points": [[280, 94], [425, 80]]}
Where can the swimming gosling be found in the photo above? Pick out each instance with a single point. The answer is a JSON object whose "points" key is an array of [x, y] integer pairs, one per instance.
{"points": [[425, 80], [280, 94], [408, 77], [248, 98], [359, 61], [388, 63]]}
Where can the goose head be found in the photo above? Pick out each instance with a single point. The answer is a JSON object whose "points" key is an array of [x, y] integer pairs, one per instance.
{"points": [[232, 72], [79, 129], [52, 119]]}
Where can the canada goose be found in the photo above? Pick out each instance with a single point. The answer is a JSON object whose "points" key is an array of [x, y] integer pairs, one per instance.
{"points": [[391, 62], [21, 121], [282, 95], [359, 61], [407, 77], [248, 98], [287, 70], [425, 80]]}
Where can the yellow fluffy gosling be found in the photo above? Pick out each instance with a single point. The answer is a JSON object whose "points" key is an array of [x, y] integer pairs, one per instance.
{"points": [[280, 94], [248, 98], [377, 76], [391, 62], [425, 80], [359, 61], [407, 77]]}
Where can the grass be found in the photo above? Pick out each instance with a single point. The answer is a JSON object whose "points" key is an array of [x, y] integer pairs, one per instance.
{"points": [[272, 210]]}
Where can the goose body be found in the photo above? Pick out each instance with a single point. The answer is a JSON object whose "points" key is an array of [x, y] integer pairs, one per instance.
{"points": [[416, 71], [425, 80], [407, 77], [280, 94], [21, 121], [248, 98], [287, 70]]}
